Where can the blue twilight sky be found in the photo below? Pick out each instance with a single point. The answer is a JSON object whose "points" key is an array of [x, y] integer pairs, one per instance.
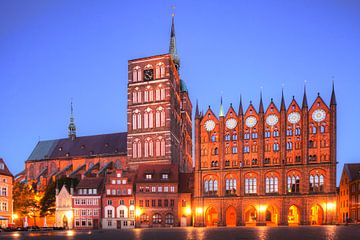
{"points": [[52, 51]]}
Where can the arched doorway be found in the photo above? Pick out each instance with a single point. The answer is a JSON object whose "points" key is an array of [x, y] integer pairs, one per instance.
{"points": [[211, 217], [65, 222], [293, 215], [271, 216], [231, 217], [316, 215], [250, 216]]}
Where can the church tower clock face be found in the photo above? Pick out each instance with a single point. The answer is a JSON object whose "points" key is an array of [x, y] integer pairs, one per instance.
{"points": [[209, 125], [250, 121], [294, 117], [231, 123], [272, 120], [318, 115]]}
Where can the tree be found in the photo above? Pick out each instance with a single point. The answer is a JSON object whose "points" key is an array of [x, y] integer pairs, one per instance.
{"points": [[26, 200]]}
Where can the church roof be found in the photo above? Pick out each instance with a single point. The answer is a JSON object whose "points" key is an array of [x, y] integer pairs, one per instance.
{"points": [[104, 144], [4, 170]]}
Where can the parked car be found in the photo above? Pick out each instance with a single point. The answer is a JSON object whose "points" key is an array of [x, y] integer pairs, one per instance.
{"points": [[33, 228]]}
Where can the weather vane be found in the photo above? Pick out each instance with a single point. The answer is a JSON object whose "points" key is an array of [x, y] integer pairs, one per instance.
{"points": [[173, 10]]}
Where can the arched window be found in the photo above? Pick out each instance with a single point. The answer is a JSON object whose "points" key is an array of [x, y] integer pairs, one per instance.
{"points": [[289, 146], [211, 186], [216, 151], [157, 94], [215, 185], [148, 148], [271, 184], [322, 129], [276, 147], [206, 186], [169, 219], [136, 74], [316, 183], [297, 131], [250, 185], [160, 70], [136, 148], [160, 117], [136, 96], [230, 185], [156, 218], [136, 119], [144, 219], [162, 94], [148, 118], [162, 146], [293, 183]]}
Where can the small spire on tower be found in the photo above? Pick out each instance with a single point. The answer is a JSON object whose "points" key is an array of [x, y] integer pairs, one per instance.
{"points": [[304, 102], [333, 98], [197, 114], [282, 107], [261, 106], [172, 47], [72, 127], [241, 111], [221, 113]]}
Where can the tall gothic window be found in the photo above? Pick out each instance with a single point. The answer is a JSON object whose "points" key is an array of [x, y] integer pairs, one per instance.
{"points": [[250, 185], [271, 184], [160, 147], [136, 148], [148, 118], [148, 148], [160, 70], [316, 183], [230, 185], [136, 119], [293, 183], [136, 74], [160, 117]]}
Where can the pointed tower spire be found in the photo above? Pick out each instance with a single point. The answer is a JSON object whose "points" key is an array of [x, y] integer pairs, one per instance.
{"points": [[282, 107], [221, 113], [241, 111], [304, 102], [261, 106], [172, 47], [333, 98], [197, 114], [72, 127]]}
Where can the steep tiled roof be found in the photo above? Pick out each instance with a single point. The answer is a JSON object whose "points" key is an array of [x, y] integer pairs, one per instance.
{"points": [[4, 170], [91, 182], [104, 144], [353, 170], [157, 170]]}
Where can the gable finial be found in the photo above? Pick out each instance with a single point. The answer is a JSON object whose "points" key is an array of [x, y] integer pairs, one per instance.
{"points": [[241, 111], [282, 107], [221, 112], [333, 97], [261, 106], [304, 103]]}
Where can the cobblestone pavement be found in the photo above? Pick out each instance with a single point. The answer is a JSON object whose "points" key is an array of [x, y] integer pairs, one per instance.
{"points": [[221, 233]]}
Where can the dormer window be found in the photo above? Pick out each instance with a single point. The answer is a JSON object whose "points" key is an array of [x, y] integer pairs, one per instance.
{"points": [[80, 192], [60, 149], [84, 191], [165, 176], [148, 176], [2, 166]]}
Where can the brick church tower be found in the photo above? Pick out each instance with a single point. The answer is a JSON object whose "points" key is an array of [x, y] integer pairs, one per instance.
{"points": [[159, 111]]}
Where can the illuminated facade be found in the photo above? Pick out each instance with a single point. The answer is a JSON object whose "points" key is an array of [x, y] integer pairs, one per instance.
{"points": [[349, 194], [64, 212], [6, 195], [266, 166]]}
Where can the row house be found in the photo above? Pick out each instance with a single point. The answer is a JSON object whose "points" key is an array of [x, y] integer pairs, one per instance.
{"points": [[119, 200], [86, 203], [349, 194], [6, 200]]}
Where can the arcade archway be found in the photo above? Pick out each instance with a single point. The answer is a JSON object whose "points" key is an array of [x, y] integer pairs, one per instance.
{"points": [[250, 216], [271, 216], [231, 217], [211, 217], [316, 215], [293, 215]]}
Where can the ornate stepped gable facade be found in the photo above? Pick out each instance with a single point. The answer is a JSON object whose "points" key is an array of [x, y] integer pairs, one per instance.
{"points": [[6, 195], [266, 166]]}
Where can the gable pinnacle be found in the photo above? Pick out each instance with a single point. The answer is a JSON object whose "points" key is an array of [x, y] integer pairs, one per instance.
{"points": [[333, 97], [172, 47], [282, 107], [221, 113], [304, 102], [241, 111]]}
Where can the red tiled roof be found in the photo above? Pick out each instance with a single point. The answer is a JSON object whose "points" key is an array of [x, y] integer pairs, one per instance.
{"points": [[6, 170], [157, 170]]}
